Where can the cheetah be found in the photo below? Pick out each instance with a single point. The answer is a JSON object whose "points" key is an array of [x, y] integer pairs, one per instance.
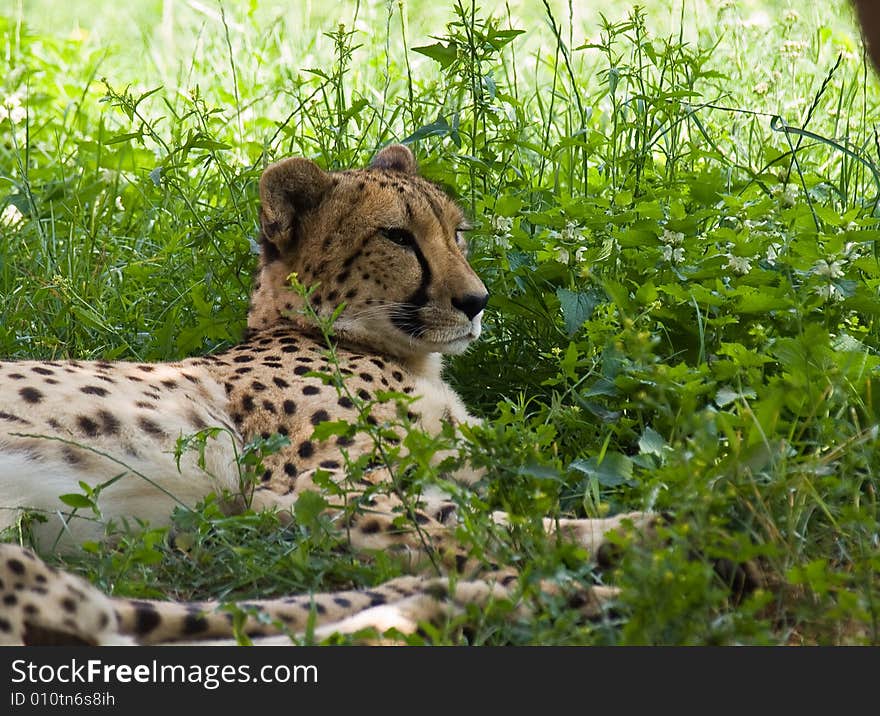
{"points": [[380, 256]]}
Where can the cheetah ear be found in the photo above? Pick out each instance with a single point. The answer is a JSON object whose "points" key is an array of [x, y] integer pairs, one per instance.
{"points": [[395, 157], [288, 190]]}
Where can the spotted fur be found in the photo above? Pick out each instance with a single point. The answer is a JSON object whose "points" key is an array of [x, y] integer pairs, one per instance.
{"points": [[384, 242]]}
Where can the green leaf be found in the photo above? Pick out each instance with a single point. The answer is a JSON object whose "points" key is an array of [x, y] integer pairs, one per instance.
{"points": [[570, 360], [444, 54], [76, 500], [652, 443], [576, 308], [647, 293], [533, 469], [725, 396], [615, 469], [330, 428], [309, 506], [438, 128], [119, 138], [755, 302]]}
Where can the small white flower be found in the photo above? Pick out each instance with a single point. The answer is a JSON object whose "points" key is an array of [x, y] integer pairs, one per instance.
{"points": [[672, 238], [829, 291], [119, 205], [791, 16], [773, 252], [672, 254], [562, 254], [788, 194], [571, 233], [11, 109], [11, 215], [739, 264], [761, 89], [793, 48], [579, 254], [502, 225], [829, 270], [852, 250]]}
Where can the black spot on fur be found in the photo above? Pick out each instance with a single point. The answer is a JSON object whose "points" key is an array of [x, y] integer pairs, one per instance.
{"points": [[109, 423], [376, 599], [146, 618], [88, 426], [71, 455], [371, 527], [150, 426], [319, 416], [30, 395]]}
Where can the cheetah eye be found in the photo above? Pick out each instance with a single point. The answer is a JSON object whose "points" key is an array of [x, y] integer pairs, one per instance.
{"points": [[401, 237]]}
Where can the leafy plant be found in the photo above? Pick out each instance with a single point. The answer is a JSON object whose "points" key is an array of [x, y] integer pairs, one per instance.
{"points": [[677, 223]]}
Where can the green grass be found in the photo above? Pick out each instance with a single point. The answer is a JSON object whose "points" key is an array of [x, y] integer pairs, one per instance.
{"points": [[676, 215]]}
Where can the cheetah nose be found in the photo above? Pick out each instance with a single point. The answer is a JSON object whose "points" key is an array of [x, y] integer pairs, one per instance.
{"points": [[471, 304]]}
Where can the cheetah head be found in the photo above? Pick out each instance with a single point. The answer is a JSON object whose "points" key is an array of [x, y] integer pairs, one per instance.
{"points": [[383, 241]]}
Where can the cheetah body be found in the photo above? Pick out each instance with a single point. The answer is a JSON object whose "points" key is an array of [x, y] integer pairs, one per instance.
{"points": [[126, 433], [100, 422], [380, 251]]}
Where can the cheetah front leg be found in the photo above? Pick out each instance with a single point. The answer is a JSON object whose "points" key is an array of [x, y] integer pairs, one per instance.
{"points": [[421, 528], [592, 533]]}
